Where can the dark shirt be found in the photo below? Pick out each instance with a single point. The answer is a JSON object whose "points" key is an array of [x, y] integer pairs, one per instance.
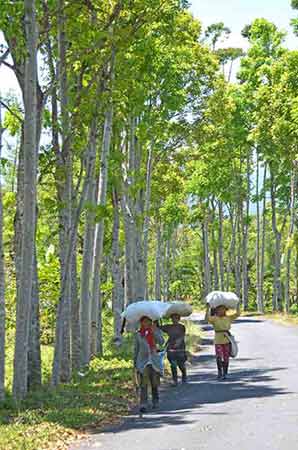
{"points": [[176, 335]]}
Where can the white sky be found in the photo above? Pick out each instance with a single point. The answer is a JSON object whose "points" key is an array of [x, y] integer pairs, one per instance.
{"points": [[237, 13]]}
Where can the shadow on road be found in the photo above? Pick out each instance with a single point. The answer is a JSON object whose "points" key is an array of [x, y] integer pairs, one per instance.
{"points": [[186, 403], [183, 405]]}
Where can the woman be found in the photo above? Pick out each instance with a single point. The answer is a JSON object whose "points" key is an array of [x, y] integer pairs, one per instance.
{"points": [[147, 361], [222, 324], [176, 353]]}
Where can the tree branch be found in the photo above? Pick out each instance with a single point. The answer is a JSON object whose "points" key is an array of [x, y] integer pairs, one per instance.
{"points": [[11, 111]]}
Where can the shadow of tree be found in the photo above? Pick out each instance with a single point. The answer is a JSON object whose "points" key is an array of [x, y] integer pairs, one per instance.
{"points": [[182, 405]]}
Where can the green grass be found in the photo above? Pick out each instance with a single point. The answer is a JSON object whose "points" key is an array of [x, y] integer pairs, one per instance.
{"points": [[51, 418], [286, 319]]}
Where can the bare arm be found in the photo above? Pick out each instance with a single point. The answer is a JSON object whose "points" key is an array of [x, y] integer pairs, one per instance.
{"points": [[237, 313]]}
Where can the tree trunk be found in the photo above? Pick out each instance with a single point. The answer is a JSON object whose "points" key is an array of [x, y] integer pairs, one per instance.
{"points": [[262, 268], [232, 257], [20, 378], [296, 272], [238, 254], [147, 217], [88, 246], [276, 300], [245, 225], [62, 357], [34, 353], [75, 315], [289, 243], [129, 264], [205, 234], [118, 292], [221, 247], [157, 288], [96, 326], [137, 209], [2, 283], [166, 270], [215, 280], [258, 268]]}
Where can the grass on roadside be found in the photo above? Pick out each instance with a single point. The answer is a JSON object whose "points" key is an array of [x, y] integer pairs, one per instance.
{"points": [[285, 319], [49, 418]]}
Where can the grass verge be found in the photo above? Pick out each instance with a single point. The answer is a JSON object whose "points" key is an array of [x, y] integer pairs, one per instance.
{"points": [[51, 418]]}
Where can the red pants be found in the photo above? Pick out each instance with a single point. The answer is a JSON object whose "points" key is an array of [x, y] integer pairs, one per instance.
{"points": [[222, 352]]}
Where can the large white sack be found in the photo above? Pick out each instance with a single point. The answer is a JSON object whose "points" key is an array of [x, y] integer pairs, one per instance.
{"points": [[217, 298], [183, 309], [154, 309]]}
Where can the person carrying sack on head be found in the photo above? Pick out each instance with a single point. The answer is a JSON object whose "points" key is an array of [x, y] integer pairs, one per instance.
{"points": [[176, 353], [222, 324], [147, 361]]}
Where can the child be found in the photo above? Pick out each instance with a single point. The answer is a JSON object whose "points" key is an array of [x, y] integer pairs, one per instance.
{"points": [[176, 353], [222, 324], [147, 361]]}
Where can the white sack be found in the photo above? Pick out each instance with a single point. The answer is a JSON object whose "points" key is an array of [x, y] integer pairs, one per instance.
{"points": [[217, 298], [183, 309], [153, 309]]}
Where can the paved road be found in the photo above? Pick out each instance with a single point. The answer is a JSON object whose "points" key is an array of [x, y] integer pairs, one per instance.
{"points": [[257, 409]]}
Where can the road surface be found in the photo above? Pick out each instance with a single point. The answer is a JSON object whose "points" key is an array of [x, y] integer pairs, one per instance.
{"points": [[256, 409]]}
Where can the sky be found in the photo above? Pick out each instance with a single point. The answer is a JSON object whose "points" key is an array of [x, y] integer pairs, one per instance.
{"points": [[237, 13], [234, 13]]}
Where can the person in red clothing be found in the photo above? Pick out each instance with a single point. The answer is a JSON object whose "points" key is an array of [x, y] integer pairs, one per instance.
{"points": [[147, 361]]}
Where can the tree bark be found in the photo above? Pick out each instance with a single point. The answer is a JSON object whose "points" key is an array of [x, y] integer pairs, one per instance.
{"points": [[20, 378], [147, 216], [276, 300], [157, 287], [88, 246], [262, 268], [232, 257], [238, 254], [166, 269], [221, 246], [258, 268], [62, 357], [118, 291], [289, 243], [34, 353], [205, 235], [75, 314], [215, 280], [2, 283], [96, 326], [245, 226]]}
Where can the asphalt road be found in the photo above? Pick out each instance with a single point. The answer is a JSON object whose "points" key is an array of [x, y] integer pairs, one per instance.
{"points": [[256, 409]]}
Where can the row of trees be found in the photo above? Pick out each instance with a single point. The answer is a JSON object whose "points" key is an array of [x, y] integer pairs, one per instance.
{"points": [[142, 172], [107, 89]]}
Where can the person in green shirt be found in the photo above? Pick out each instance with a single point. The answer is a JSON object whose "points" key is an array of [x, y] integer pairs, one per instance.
{"points": [[221, 323]]}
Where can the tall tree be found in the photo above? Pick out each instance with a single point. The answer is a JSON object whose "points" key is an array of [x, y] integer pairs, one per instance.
{"points": [[28, 232]]}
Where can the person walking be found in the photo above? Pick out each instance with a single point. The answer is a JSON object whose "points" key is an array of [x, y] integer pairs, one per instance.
{"points": [[147, 361], [176, 352], [221, 323]]}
